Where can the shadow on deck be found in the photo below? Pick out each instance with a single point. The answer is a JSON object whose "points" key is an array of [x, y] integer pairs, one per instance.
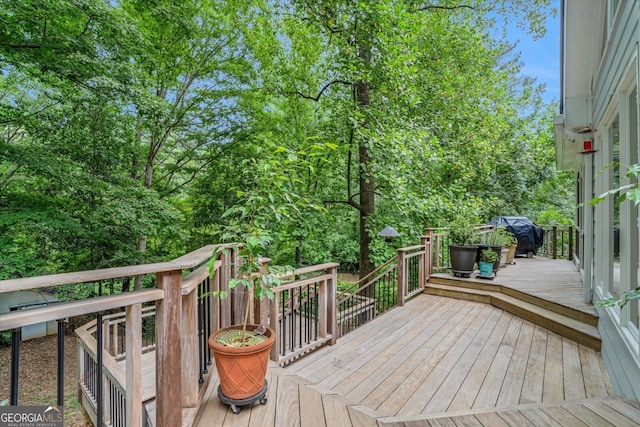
{"points": [[449, 361]]}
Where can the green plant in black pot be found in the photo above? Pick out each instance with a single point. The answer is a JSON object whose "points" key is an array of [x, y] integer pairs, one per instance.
{"points": [[489, 256], [462, 251]]}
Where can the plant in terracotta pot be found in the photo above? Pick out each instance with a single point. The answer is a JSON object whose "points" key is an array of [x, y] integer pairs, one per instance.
{"points": [[241, 352], [268, 205]]}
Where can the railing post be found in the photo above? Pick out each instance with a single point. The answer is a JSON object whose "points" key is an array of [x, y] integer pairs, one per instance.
{"points": [[261, 308], [332, 301], [570, 254], [435, 250], [402, 277], [133, 338], [225, 274], [190, 350], [275, 325], [427, 265], [168, 350], [61, 333], [99, 386], [554, 244]]}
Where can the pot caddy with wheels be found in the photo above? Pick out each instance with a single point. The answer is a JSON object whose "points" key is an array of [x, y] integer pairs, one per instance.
{"points": [[241, 360]]}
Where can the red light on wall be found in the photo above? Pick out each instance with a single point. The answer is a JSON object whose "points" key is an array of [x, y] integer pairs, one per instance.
{"points": [[588, 147]]}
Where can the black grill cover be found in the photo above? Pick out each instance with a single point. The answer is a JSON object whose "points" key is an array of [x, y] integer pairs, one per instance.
{"points": [[530, 236]]}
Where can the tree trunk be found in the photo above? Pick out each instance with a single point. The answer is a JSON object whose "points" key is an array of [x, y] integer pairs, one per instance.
{"points": [[366, 179], [142, 239]]}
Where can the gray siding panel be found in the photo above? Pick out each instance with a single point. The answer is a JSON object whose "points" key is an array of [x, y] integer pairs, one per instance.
{"points": [[622, 368]]}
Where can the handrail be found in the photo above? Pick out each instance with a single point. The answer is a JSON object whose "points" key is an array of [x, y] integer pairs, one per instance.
{"points": [[186, 310], [390, 285], [17, 319], [54, 280]]}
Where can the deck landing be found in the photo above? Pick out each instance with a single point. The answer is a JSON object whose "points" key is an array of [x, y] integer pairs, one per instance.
{"points": [[438, 361]]}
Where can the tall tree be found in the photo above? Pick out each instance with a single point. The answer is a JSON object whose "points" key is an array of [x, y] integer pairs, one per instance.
{"points": [[396, 79]]}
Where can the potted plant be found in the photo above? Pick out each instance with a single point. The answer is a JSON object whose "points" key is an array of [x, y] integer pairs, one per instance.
{"points": [[241, 352], [462, 251], [269, 203], [498, 240], [512, 245], [487, 259]]}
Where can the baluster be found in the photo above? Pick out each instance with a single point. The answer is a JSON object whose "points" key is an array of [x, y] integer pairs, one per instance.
{"points": [[202, 339], [283, 325], [292, 319], [99, 383], [15, 358], [61, 332]]}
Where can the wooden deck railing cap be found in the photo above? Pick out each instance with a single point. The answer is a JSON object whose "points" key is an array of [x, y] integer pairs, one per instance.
{"points": [[16, 319]]}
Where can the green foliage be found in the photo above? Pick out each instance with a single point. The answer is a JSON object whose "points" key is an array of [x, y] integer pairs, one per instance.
{"points": [[499, 236], [625, 298], [488, 255], [178, 123], [462, 231], [629, 192]]}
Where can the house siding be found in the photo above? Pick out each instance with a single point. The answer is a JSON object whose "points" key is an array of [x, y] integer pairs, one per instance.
{"points": [[612, 109]]}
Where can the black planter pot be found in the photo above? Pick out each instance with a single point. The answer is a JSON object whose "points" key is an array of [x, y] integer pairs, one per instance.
{"points": [[496, 249], [496, 265], [463, 259]]}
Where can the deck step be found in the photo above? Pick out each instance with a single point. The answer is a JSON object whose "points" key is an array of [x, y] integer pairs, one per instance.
{"points": [[566, 326], [590, 318], [598, 411]]}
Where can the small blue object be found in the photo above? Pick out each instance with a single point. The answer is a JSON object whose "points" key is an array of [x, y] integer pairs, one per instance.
{"points": [[486, 268]]}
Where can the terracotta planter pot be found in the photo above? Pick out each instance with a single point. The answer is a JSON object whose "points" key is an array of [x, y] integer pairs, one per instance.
{"points": [[242, 370], [512, 253]]}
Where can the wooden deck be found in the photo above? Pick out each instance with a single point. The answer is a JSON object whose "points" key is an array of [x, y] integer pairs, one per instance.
{"points": [[556, 281], [443, 361]]}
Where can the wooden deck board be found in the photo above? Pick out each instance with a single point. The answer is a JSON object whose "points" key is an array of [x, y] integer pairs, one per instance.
{"points": [[461, 368], [450, 355], [572, 369], [534, 374], [469, 390], [539, 418], [587, 416], [432, 335], [563, 417], [553, 390], [439, 361], [490, 388], [511, 390], [361, 383], [408, 390], [287, 403]]}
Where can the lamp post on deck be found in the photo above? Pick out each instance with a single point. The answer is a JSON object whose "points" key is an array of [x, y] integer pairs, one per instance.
{"points": [[388, 233]]}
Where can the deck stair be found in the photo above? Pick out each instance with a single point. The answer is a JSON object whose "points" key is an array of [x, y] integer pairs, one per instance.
{"points": [[611, 411], [577, 325], [323, 407], [303, 403]]}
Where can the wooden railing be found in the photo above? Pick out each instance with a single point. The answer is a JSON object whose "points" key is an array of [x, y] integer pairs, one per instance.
{"points": [[181, 312], [306, 316], [440, 242], [388, 286], [559, 242]]}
